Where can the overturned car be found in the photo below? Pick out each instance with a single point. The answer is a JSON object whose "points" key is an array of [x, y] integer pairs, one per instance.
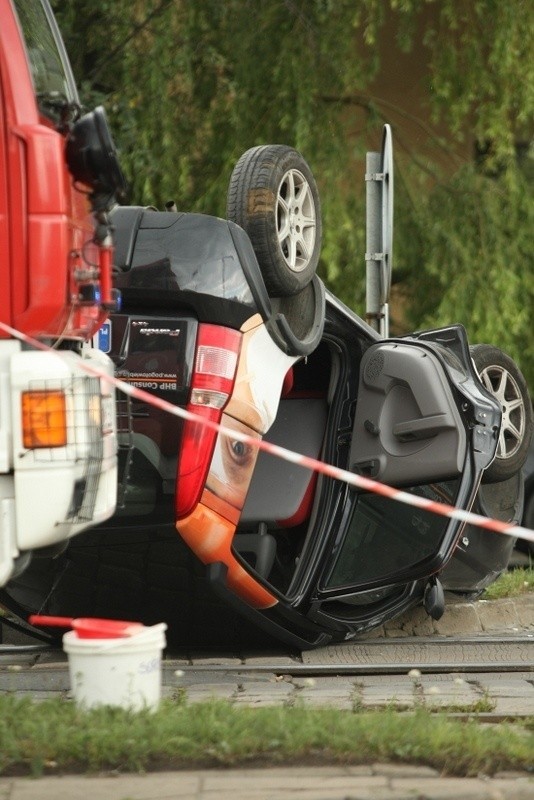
{"points": [[228, 319]]}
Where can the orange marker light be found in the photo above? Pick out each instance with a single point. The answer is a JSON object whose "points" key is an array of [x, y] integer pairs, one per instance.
{"points": [[44, 419]]}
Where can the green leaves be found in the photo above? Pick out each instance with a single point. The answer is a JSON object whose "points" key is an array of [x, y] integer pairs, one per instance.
{"points": [[476, 234], [189, 85]]}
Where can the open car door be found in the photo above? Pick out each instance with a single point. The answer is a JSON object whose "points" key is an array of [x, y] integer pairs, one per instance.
{"points": [[408, 431], [407, 428]]}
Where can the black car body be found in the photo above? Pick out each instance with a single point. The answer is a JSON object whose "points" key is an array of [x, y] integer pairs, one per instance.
{"points": [[305, 557], [327, 561]]}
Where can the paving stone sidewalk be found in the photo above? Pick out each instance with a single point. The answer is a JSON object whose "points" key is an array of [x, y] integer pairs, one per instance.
{"points": [[202, 676], [375, 782]]}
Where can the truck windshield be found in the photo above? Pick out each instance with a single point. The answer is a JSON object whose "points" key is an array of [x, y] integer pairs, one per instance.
{"points": [[52, 78]]}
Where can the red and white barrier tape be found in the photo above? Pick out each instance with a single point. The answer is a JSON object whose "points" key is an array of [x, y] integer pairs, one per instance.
{"points": [[443, 509]]}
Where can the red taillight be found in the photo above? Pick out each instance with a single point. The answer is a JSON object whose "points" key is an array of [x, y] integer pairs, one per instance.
{"points": [[212, 382]]}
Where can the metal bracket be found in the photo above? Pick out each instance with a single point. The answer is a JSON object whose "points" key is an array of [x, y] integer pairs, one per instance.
{"points": [[374, 315], [374, 176]]}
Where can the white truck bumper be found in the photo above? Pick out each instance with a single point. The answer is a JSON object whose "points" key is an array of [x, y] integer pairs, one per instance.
{"points": [[54, 486]]}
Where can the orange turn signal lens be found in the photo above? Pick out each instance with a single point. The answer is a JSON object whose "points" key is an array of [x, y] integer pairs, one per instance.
{"points": [[44, 419]]}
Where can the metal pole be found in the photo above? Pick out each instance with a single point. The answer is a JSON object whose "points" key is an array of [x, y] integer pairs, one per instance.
{"points": [[386, 168], [373, 252]]}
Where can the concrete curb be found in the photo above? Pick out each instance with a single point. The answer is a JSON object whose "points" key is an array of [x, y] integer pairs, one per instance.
{"points": [[506, 616]]}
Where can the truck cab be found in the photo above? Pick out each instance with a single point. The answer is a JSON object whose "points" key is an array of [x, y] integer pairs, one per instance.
{"points": [[59, 176]]}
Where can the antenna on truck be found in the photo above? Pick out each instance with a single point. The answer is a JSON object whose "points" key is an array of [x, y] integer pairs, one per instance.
{"points": [[379, 233]]}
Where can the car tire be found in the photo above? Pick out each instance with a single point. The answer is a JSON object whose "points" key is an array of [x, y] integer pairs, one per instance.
{"points": [[501, 376], [481, 556], [273, 196]]}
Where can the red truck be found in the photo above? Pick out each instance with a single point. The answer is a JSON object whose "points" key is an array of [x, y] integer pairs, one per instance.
{"points": [[59, 176]]}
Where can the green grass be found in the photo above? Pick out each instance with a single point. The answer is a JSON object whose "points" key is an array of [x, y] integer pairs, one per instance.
{"points": [[513, 583], [55, 736]]}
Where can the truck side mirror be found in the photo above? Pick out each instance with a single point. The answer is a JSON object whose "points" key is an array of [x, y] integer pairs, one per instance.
{"points": [[92, 159]]}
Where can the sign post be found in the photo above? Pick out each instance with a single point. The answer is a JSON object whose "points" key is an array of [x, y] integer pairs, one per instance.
{"points": [[379, 234]]}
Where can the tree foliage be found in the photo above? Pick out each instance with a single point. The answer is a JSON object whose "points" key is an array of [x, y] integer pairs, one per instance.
{"points": [[190, 84], [476, 234]]}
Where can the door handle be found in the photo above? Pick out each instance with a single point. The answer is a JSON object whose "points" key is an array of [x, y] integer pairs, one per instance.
{"points": [[422, 428]]}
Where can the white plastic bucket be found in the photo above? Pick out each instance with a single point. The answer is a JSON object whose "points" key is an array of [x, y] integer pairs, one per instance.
{"points": [[123, 672]]}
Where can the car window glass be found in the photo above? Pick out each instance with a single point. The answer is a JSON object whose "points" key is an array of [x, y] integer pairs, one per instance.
{"points": [[49, 72], [183, 258], [385, 537]]}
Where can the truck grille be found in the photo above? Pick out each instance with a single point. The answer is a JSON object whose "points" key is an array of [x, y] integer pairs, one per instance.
{"points": [[87, 422]]}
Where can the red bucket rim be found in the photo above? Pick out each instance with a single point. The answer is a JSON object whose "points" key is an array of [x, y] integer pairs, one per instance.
{"points": [[91, 627]]}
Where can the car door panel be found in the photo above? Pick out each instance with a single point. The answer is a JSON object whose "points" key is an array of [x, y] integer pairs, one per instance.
{"points": [[407, 426]]}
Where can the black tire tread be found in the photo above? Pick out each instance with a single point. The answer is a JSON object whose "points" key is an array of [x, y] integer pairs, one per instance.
{"points": [[486, 355], [254, 171]]}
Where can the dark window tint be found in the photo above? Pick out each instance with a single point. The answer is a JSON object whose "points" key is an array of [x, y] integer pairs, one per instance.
{"points": [[194, 253], [385, 537]]}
